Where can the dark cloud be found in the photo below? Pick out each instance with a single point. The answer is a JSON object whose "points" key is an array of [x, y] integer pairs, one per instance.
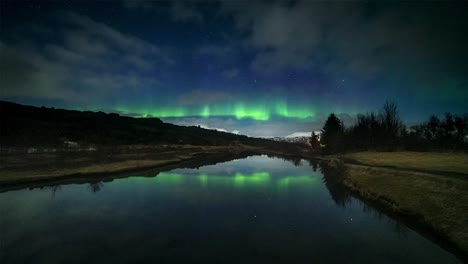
{"points": [[353, 37], [90, 60], [231, 73], [185, 11], [179, 10], [219, 51], [202, 97], [138, 4], [25, 73]]}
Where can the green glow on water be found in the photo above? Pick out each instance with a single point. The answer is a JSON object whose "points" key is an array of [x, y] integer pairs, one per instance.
{"points": [[257, 178], [171, 178], [286, 181], [238, 180], [203, 178]]}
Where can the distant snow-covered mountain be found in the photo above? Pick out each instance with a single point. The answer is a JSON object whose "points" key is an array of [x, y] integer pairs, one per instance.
{"points": [[299, 134], [296, 137], [291, 139]]}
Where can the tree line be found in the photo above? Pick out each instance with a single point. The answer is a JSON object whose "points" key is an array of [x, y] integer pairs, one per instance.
{"points": [[384, 131]]}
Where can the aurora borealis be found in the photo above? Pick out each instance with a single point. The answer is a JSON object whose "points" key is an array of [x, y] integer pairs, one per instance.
{"points": [[251, 67], [261, 111]]}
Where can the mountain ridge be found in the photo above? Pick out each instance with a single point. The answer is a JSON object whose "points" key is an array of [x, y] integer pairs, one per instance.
{"points": [[24, 125]]}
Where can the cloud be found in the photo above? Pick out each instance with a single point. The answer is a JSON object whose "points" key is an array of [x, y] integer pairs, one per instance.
{"points": [[185, 11], [231, 73], [180, 11], [215, 50], [282, 34], [137, 4], [94, 35], [25, 73], [360, 38], [202, 97], [86, 60]]}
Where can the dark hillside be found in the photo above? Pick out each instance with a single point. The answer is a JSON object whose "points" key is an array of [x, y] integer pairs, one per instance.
{"points": [[22, 125]]}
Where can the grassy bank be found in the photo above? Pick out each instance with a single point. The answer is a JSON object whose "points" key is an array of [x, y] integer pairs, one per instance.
{"points": [[435, 162], [21, 169], [24, 168], [399, 181]]}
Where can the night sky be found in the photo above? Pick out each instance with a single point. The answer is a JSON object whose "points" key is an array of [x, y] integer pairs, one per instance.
{"points": [[256, 68]]}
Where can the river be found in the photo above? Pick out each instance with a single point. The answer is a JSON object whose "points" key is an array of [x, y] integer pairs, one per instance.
{"points": [[253, 210]]}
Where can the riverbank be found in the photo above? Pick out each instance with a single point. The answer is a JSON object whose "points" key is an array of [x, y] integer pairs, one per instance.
{"points": [[430, 189], [19, 170]]}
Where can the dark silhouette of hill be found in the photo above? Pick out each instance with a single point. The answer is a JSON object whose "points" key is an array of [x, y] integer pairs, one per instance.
{"points": [[22, 125]]}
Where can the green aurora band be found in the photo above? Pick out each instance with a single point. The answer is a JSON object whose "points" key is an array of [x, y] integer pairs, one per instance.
{"points": [[262, 111]]}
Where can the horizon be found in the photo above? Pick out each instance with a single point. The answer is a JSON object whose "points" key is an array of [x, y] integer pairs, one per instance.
{"points": [[297, 134], [256, 69]]}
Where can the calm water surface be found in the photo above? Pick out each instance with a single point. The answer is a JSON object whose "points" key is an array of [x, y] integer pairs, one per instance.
{"points": [[254, 210]]}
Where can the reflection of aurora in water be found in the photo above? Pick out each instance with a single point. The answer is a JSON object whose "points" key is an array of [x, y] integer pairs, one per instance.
{"points": [[257, 172], [238, 180], [265, 202]]}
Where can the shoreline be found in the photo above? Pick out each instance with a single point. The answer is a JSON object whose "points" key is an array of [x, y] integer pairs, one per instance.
{"points": [[370, 192], [121, 164], [108, 176], [433, 203], [412, 221]]}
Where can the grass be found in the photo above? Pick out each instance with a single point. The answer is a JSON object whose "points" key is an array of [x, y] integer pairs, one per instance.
{"points": [[22, 168], [438, 201], [120, 166], [429, 161]]}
